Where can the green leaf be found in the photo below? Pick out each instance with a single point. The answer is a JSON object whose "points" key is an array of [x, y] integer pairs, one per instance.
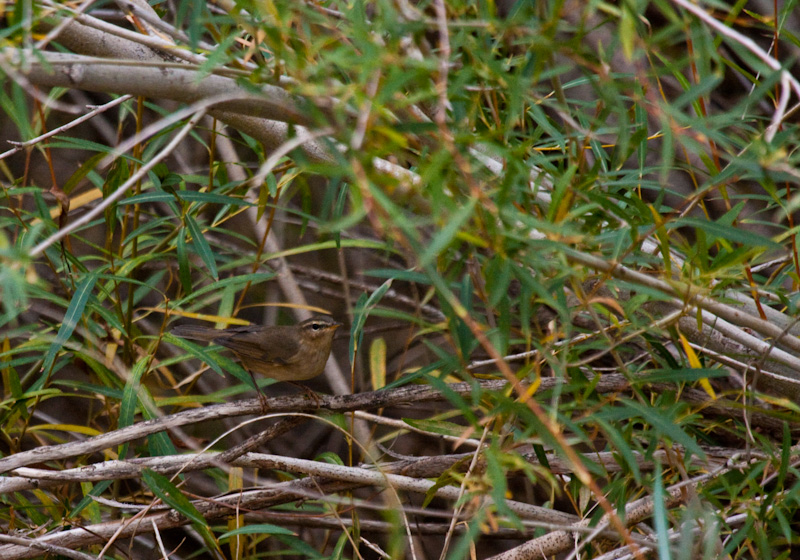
{"points": [[622, 447], [627, 31], [660, 516], [362, 309], [184, 268], [218, 362], [130, 398], [436, 426], [678, 375], [170, 495], [731, 233], [499, 485], [224, 284], [448, 232], [130, 395], [259, 529], [666, 426], [73, 314], [85, 168], [201, 245], [196, 350], [96, 490], [332, 244], [187, 195]]}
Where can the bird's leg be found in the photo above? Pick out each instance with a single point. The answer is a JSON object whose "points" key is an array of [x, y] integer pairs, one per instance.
{"points": [[262, 398], [312, 395]]}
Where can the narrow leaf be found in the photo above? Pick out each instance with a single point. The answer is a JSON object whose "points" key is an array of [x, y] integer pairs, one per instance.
{"points": [[694, 361], [259, 529], [377, 363], [448, 232], [71, 317], [202, 247]]}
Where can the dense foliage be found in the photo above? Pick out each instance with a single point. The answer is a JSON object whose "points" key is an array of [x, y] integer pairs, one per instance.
{"points": [[561, 236]]}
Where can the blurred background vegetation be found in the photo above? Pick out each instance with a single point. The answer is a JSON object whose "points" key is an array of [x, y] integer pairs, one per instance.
{"points": [[561, 236]]}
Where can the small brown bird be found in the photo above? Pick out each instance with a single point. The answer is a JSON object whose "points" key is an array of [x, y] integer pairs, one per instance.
{"points": [[285, 353]]}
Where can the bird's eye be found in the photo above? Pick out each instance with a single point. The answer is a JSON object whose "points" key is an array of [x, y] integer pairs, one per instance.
{"points": [[315, 326]]}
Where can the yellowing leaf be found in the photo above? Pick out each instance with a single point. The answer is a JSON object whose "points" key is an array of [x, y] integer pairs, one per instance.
{"points": [[694, 361], [377, 363], [70, 428]]}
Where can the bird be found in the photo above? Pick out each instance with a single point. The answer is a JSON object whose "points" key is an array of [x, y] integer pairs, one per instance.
{"points": [[281, 352]]}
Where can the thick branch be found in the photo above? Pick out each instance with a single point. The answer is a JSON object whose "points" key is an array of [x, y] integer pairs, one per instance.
{"points": [[160, 81], [408, 395]]}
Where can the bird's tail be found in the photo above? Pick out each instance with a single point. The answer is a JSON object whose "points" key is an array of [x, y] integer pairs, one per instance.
{"points": [[195, 332]]}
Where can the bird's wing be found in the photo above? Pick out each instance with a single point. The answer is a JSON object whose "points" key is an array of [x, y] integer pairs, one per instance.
{"points": [[252, 342]]}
